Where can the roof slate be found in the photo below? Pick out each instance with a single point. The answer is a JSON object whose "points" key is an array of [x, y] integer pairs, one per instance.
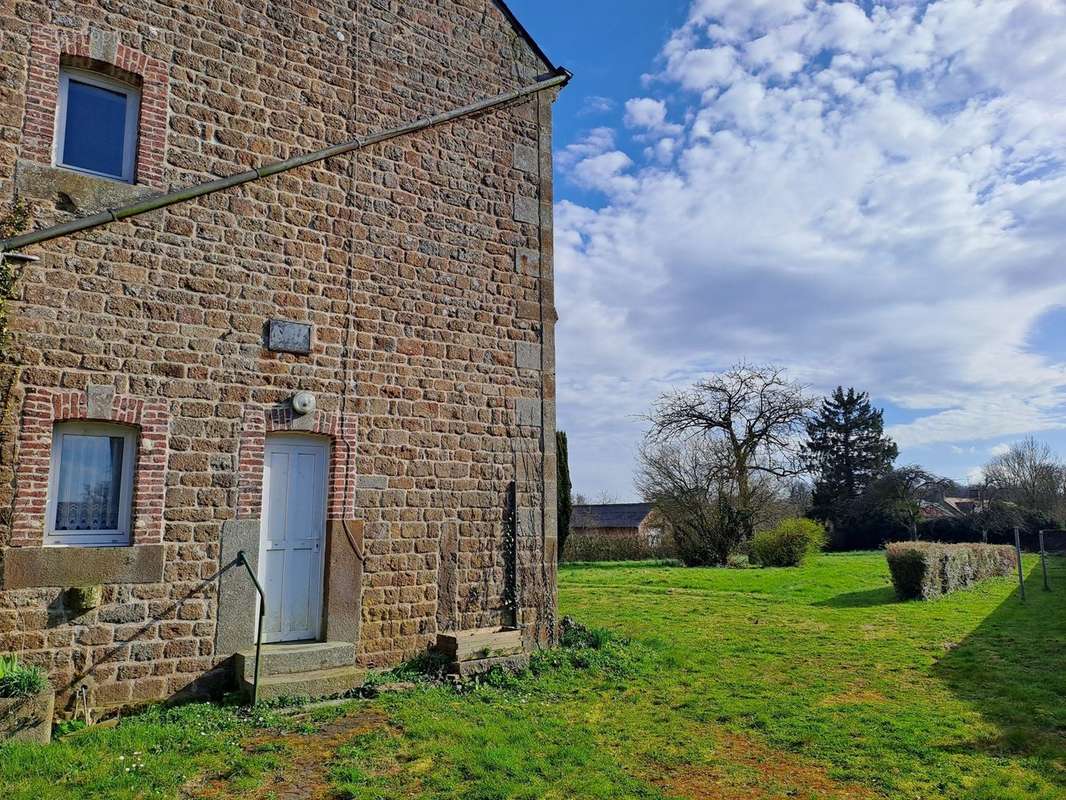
{"points": [[612, 515]]}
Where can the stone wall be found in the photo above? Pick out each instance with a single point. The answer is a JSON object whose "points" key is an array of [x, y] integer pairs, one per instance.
{"points": [[424, 265]]}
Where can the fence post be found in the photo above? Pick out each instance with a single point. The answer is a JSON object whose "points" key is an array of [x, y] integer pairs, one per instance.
{"points": [[1018, 551], [1043, 562]]}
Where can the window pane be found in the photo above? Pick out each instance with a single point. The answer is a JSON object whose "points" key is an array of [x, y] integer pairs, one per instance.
{"points": [[90, 481], [95, 131]]}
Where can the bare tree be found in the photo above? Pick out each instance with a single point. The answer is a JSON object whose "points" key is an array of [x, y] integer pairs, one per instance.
{"points": [[604, 498], [753, 415], [688, 486], [900, 492], [1030, 475]]}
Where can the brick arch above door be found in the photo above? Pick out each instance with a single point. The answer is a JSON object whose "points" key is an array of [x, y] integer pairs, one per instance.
{"points": [[258, 422]]}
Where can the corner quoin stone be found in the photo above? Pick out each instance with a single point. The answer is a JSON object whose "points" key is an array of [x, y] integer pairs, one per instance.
{"points": [[528, 412], [527, 262], [525, 158], [528, 355], [526, 209]]}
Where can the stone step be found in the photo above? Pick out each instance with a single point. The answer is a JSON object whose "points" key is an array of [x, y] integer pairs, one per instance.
{"points": [[479, 644], [293, 658], [313, 684], [467, 669]]}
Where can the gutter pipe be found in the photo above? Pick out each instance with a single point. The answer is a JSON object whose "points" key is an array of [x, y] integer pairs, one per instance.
{"points": [[559, 78]]}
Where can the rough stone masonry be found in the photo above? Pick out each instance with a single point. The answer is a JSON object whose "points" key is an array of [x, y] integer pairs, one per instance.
{"points": [[423, 266]]}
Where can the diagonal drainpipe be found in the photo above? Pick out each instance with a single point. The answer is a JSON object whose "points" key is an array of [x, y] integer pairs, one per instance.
{"points": [[560, 77]]}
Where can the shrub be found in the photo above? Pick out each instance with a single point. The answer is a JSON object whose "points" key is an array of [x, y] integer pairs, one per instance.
{"points": [[20, 680], [924, 570], [788, 544]]}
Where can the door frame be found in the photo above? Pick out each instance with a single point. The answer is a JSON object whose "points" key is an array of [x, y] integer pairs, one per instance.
{"points": [[324, 445]]}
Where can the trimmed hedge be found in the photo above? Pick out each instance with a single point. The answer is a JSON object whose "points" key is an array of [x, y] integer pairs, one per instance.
{"points": [[924, 570]]}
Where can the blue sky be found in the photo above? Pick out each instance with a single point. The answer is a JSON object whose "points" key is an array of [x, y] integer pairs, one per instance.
{"points": [[870, 194]]}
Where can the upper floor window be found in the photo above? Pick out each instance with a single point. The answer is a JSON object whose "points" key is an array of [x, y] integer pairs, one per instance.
{"points": [[96, 124], [90, 488]]}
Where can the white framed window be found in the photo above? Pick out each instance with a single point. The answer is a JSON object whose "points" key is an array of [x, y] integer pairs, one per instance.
{"points": [[96, 124], [90, 484]]}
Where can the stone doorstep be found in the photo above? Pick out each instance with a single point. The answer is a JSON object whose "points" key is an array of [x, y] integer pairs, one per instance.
{"points": [[480, 644], [314, 684], [294, 659]]}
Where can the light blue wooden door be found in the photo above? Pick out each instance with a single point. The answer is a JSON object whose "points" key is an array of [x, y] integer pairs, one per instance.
{"points": [[292, 536]]}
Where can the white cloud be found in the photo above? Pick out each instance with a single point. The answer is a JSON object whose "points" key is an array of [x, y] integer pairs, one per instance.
{"points": [[606, 172], [874, 198], [649, 114], [595, 143], [703, 68], [596, 105]]}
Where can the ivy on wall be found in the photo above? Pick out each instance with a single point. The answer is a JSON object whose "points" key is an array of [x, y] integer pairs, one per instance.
{"points": [[15, 219]]}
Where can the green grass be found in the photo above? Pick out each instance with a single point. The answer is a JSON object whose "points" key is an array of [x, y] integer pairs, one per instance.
{"points": [[786, 683], [149, 756]]}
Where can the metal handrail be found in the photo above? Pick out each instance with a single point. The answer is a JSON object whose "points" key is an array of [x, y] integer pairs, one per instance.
{"points": [[243, 559]]}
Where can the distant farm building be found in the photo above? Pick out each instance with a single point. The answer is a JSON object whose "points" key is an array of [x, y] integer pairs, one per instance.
{"points": [[637, 524]]}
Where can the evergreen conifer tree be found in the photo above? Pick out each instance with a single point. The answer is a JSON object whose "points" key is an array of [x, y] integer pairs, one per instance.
{"points": [[563, 487], [846, 451]]}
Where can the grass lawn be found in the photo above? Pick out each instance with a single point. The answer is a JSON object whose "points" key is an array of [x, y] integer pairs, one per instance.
{"points": [[737, 684]]}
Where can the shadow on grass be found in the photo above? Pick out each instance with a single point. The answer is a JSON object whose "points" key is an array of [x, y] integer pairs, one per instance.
{"points": [[881, 596], [1012, 670]]}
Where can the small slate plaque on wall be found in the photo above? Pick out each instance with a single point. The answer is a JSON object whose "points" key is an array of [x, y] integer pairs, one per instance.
{"points": [[289, 337]]}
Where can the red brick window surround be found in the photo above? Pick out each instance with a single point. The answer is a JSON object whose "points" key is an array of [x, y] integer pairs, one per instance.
{"points": [[41, 410], [340, 428], [52, 48]]}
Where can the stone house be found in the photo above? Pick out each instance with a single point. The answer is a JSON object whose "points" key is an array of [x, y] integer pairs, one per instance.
{"points": [[344, 370]]}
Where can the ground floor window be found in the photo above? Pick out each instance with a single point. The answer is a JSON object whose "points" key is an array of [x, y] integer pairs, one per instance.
{"points": [[91, 484]]}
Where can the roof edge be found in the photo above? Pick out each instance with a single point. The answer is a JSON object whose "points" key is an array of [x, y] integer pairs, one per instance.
{"points": [[525, 34]]}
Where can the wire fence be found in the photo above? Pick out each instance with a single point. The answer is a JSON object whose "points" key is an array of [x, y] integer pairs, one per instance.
{"points": [[1051, 547]]}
